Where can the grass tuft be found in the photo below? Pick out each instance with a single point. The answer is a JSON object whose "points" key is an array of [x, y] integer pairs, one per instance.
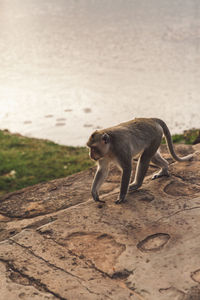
{"points": [[28, 161]]}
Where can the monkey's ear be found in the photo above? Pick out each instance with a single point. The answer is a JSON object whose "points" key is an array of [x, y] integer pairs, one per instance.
{"points": [[106, 138], [94, 133]]}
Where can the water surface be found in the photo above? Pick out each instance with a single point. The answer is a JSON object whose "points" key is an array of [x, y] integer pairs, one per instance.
{"points": [[69, 67]]}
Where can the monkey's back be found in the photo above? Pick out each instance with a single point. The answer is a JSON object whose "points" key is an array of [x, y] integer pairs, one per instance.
{"points": [[139, 128], [132, 135]]}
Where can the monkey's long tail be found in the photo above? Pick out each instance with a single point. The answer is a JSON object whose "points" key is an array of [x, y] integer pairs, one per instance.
{"points": [[168, 138]]}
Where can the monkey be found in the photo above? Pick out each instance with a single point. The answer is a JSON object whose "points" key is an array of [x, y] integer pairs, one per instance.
{"points": [[120, 143]]}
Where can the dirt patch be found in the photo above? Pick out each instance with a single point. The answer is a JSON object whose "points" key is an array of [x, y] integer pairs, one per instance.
{"points": [[100, 248]]}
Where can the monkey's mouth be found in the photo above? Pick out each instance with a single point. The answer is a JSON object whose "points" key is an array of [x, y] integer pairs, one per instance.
{"points": [[95, 158]]}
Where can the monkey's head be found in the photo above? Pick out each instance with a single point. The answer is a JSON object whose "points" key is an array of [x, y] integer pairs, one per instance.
{"points": [[99, 144]]}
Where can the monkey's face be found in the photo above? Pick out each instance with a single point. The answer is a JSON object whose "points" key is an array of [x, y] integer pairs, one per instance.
{"points": [[99, 144]]}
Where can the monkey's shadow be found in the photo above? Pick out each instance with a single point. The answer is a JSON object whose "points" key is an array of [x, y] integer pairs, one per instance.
{"points": [[142, 195]]}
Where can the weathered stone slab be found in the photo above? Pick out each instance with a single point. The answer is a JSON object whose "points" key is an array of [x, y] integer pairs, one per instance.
{"points": [[57, 243]]}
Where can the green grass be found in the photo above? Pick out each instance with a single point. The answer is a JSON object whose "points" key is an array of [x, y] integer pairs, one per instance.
{"points": [[188, 137], [27, 161]]}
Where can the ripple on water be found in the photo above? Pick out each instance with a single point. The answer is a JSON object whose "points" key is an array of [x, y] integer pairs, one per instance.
{"points": [[60, 124], [87, 125], [49, 116], [87, 110], [60, 119]]}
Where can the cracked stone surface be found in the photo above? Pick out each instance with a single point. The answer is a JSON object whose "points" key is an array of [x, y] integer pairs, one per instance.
{"points": [[57, 243]]}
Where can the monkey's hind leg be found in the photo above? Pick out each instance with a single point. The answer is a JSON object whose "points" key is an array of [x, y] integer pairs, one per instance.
{"points": [[159, 161], [141, 169], [143, 164]]}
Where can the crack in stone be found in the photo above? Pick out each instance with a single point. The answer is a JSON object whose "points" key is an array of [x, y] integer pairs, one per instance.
{"points": [[184, 179], [171, 289], [32, 281], [115, 276], [47, 262], [24, 216], [97, 294], [177, 212], [90, 264], [80, 280], [179, 177], [14, 231], [89, 261]]}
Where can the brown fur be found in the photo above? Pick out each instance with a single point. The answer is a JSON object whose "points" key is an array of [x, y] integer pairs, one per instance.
{"points": [[122, 142]]}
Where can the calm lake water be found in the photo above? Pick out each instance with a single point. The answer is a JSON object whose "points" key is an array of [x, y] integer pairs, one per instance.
{"points": [[68, 67]]}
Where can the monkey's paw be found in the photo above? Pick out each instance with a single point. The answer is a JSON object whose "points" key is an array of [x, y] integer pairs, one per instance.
{"points": [[133, 187], [121, 200], [160, 174], [118, 202], [101, 201], [96, 198]]}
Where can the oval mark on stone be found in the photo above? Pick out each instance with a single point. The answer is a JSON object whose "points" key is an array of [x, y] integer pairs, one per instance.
{"points": [[153, 242], [196, 275]]}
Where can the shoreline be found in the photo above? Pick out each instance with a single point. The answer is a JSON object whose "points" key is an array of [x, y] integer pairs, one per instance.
{"points": [[187, 136]]}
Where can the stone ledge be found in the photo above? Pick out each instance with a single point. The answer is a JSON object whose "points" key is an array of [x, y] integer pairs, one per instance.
{"points": [[57, 243]]}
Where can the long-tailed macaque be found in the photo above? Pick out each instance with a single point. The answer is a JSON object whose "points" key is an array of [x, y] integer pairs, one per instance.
{"points": [[121, 143]]}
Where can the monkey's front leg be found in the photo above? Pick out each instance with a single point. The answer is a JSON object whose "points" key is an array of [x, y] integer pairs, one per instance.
{"points": [[126, 175], [101, 174]]}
